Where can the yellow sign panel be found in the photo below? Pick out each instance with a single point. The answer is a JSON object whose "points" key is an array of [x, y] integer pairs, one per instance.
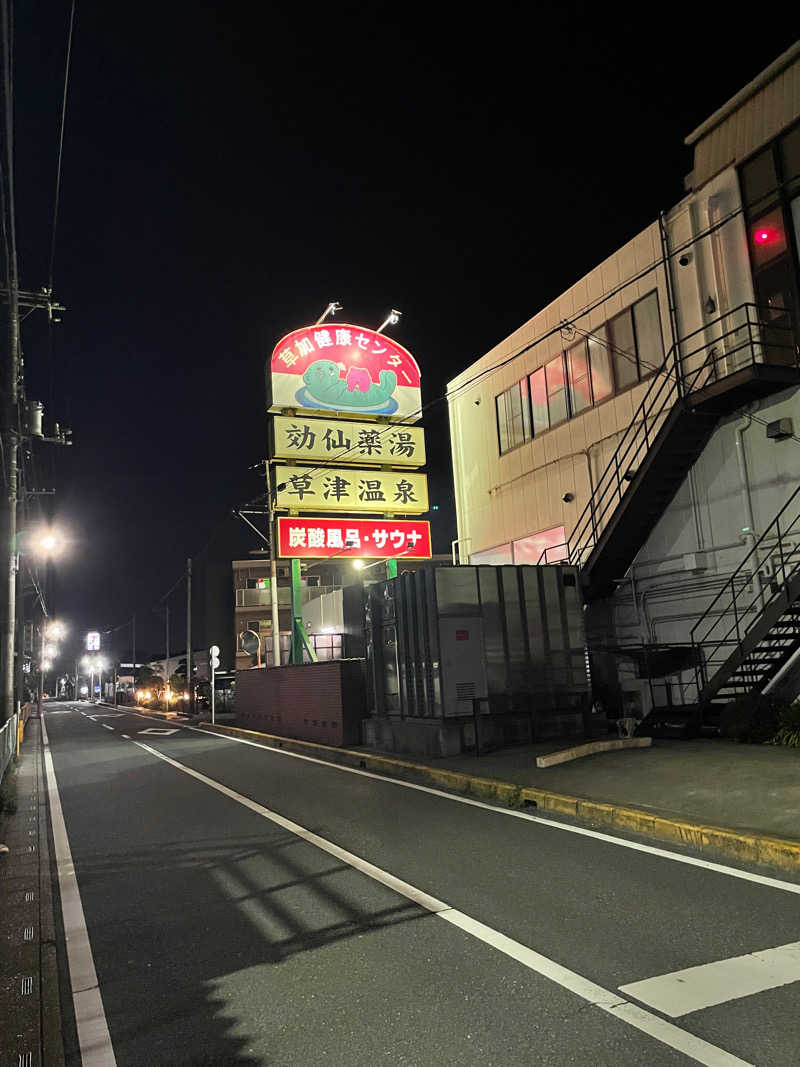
{"points": [[345, 489], [344, 441]]}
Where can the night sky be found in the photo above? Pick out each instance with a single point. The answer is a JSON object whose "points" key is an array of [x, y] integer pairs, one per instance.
{"points": [[230, 168]]}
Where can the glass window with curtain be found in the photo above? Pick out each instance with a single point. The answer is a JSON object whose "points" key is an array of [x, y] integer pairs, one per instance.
{"points": [[556, 378], [649, 343], [538, 392], [623, 350], [600, 364], [513, 417], [518, 415], [580, 384], [502, 424]]}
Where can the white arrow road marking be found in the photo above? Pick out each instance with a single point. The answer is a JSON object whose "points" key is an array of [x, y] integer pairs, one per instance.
{"points": [[700, 987]]}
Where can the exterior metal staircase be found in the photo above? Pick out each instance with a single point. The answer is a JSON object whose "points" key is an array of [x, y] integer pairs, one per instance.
{"points": [[751, 629], [742, 355]]}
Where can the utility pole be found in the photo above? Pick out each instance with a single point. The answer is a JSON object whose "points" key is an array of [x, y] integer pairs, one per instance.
{"points": [[10, 445], [189, 675], [166, 661], [133, 653]]}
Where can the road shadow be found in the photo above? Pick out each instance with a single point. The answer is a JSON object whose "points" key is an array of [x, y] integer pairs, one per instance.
{"points": [[201, 913]]}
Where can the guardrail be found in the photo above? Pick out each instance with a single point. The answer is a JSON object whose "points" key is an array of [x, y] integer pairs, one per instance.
{"points": [[8, 743]]}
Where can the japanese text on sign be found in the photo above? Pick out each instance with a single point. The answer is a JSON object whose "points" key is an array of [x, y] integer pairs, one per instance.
{"points": [[346, 369], [343, 441], [315, 489], [367, 538]]}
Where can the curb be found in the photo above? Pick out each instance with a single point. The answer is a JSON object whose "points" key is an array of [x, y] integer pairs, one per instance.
{"points": [[739, 844]]}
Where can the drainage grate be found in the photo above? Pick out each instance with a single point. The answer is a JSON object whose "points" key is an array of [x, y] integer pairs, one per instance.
{"points": [[27, 986], [27, 933], [28, 896]]}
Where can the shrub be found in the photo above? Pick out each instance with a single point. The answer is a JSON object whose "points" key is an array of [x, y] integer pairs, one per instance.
{"points": [[752, 718], [788, 726]]}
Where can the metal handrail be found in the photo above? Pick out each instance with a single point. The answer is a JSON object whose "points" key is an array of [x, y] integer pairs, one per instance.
{"points": [[785, 524], [667, 388]]}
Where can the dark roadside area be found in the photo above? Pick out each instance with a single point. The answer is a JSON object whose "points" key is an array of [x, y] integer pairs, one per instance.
{"points": [[30, 1033]]}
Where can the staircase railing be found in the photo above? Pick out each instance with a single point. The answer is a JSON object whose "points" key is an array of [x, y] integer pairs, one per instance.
{"points": [[757, 583], [739, 338]]}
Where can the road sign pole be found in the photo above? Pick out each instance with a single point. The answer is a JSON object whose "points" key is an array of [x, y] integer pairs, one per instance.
{"points": [[213, 662]]}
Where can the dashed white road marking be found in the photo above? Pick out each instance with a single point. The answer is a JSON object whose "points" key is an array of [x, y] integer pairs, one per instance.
{"points": [[605, 999], [106, 726], [90, 1017], [694, 988]]}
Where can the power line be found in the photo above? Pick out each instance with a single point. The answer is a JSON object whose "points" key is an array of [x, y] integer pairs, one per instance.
{"points": [[480, 375], [57, 197]]}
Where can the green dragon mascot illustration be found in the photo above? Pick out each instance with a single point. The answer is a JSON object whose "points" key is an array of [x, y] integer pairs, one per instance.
{"points": [[357, 390]]}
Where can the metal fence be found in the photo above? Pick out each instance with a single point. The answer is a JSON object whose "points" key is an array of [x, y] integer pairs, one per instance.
{"points": [[8, 743]]}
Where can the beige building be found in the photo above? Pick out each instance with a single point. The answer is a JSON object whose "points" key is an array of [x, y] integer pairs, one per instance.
{"points": [[645, 426]]}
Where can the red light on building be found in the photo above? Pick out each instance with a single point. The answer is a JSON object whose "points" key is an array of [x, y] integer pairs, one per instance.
{"points": [[765, 235]]}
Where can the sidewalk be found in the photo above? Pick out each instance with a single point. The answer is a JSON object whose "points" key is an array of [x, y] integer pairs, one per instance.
{"points": [[716, 796], [29, 996], [743, 787]]}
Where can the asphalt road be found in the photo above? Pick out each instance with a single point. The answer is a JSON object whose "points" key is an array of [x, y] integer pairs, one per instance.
{"points": [[247, 906]]}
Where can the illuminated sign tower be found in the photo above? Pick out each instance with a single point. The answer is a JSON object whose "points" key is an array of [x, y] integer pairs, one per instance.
{"points": [[343, 442]]}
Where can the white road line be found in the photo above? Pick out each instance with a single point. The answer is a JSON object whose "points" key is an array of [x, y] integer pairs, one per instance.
{"points": [[667, 1033], [553, 824], [106, 726], [90, 1018], [715, 983]]}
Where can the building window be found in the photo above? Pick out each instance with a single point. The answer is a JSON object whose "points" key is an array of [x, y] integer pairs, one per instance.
{"points": [[600, 363], [550, 543], [556, 378], [623, 350], [493, 557], [513, 417], [636, 343], [649, 342], [580, 385], [611, 358], [538, 393]]}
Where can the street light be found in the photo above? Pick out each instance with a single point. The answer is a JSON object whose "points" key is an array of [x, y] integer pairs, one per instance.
{"points": [[47, 542]]}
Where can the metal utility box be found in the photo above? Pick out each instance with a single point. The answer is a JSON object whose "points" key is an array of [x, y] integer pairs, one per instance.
{"points": [[462, 664], [439, 639]]}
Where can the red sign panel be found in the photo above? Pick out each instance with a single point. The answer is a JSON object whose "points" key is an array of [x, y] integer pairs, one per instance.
{"points": [[303, 538], [346, 369]]}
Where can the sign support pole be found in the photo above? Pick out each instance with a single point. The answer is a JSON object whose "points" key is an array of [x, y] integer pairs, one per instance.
{"points": [[297, 614], [273, 574]]}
